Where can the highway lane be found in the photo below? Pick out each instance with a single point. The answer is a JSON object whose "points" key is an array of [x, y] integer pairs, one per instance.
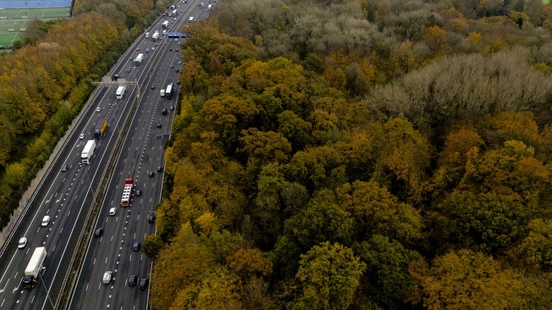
{"points": [[66, 200], [69, 194], [67, 197], [142, 152]]}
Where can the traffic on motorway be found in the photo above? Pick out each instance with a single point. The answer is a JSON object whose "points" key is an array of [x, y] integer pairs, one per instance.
{"points": [[124, 123]]}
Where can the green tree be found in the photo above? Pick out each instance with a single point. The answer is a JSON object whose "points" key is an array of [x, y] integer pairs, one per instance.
{"points": [[317, 168], [268, 208], [327, 278], [322, 220], [153, 244], [376, 211], [295, 129], [487, 222], [294, 197], [387, 264]]}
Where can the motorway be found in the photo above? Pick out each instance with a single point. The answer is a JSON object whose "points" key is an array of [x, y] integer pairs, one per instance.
{"points": [[67, 196]]}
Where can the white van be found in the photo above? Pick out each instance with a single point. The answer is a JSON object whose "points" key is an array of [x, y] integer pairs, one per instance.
{"points": [[162, 93], [191, 19]]}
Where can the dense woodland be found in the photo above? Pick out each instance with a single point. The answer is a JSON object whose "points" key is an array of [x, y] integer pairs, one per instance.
{"points": [[360, 155], [338, 154]]}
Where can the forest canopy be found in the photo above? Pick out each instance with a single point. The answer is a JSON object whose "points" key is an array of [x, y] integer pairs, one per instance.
{"points": [[360, 155]]}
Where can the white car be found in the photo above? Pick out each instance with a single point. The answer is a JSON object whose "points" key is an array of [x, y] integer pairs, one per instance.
{"points": [[45, 221], [98, 109], [81, 136], [22, 243], [113, 211], [107, 277]]}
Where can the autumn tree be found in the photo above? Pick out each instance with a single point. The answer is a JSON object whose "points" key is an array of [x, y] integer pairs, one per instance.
{"points": [[512, 170], [228, 116], [376, 211], [218, 288], [466, 279], [535, 250], [453, 158], [403, 158], [327, 277], [250, 262]]}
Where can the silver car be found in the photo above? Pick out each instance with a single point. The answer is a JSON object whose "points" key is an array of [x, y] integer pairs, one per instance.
{"points": [[22, 243], [45, 221], [107, 277]]}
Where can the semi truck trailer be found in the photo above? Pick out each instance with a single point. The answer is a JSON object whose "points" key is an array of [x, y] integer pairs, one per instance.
{"points": [[99, 132], [120, 92], [138, 60], [34, 267], [88, 151]]}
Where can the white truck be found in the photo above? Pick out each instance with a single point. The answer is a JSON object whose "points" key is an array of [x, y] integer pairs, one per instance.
{"points": [[88, 151], [165, 24], [138, 60], [174, 13], [34, 267], [119, 94], [191, 19], [209, 7], [155, 35]]}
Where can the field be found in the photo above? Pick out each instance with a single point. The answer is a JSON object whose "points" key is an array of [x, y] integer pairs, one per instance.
{"points": [[13, 21]]}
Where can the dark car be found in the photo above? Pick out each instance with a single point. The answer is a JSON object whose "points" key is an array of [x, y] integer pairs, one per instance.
{"points": [[151, 174], [144, 283], [170, 49], [159, 125], [164, 111], [136, 246], [159, 168], [151, 217], [98, 232], [178, 82], [152, 87], [138, 192], [64, 168], [176, 50], [172, 108], [132, 280]]}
